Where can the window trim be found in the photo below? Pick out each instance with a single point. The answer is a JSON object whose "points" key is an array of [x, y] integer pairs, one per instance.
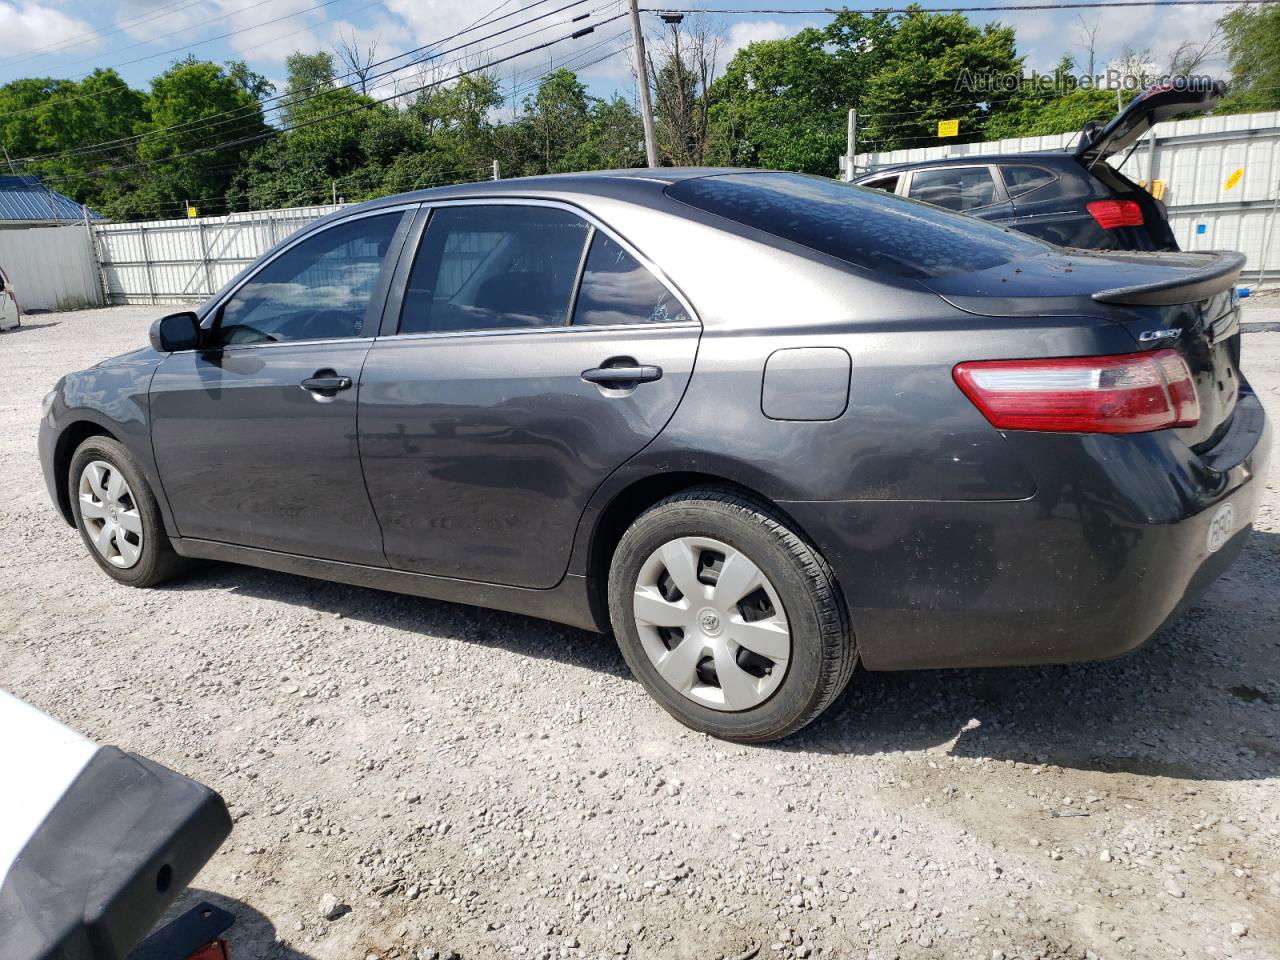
{"points": [[999, 195], [213, 316], [395, 299]]}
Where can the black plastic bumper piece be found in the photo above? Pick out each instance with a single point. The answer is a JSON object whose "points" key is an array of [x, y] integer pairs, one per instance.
{"points": [[123, 841]]}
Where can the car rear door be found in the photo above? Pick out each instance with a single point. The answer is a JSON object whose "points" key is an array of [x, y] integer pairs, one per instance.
{"points": [[972, 189], [255, 433], [529, 352]]}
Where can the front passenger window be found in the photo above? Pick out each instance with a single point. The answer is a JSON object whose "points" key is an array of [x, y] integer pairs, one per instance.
{"points": [[319, 289]]}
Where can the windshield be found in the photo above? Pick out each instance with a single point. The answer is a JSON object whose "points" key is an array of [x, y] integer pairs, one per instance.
{"points": [[866, 227]]}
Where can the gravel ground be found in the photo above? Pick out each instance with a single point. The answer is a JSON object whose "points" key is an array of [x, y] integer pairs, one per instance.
{"points": [[414, 779]]}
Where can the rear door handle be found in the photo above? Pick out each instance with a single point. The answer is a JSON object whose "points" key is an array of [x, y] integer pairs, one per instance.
{"points": [[613, 376], [328, 384]]}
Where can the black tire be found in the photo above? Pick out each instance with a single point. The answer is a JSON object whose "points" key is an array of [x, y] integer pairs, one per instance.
{"points": [[157, 561], [823, 652]]}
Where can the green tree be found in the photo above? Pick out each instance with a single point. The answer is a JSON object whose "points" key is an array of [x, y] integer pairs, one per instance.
{"points": [[1252, 40], [782, 103], [1058, 105], [56, 122], [928, 58], [306, 75], [201, 123]]}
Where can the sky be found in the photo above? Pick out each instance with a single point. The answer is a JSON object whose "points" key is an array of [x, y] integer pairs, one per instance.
{"points": [[140, 38]]}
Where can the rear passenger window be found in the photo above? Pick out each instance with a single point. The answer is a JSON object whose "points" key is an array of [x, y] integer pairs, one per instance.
{"points": [[1019, 181], [956, 188], [617, 289], [494, 267]]}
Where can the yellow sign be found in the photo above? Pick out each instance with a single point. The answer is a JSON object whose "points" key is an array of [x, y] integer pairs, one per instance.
{"points": [[1233, 179], [192, 213], [948, 128]]}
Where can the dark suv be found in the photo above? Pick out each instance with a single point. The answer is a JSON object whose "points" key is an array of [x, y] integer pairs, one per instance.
{"points": [[1073, 198]]}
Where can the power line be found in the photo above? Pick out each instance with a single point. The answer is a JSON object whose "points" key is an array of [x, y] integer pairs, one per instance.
{"points": [[251, 109], [311, 121], [248, 111], [832, 11]]}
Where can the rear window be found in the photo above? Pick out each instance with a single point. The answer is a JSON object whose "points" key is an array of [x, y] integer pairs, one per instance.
{"points": [[868, 228], [1019, 181]]}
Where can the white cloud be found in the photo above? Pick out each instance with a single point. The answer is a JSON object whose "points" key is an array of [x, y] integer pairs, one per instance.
{"points": [[26, 27], [1044, 38], [742, 34]]}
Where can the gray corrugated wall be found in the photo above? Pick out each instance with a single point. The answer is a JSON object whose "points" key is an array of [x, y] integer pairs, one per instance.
{"points": [[51, 268]]}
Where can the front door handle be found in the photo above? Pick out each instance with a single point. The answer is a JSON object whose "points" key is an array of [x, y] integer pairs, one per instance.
{"points": [[328, 383], [618, 376]]}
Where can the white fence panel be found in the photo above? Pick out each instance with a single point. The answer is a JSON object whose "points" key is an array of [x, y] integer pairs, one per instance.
{"points": [[1195, 158], [51, 268], [186, 261]]}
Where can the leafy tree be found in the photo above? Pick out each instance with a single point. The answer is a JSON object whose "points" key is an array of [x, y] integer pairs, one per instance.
{"points": [[195, 110], [1034, 111], [782, 103], [928, 57], [53, 121], [1252, 40], [306, 74]]}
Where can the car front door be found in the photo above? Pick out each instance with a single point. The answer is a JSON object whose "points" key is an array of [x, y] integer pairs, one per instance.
{"points": [[533, 353], [968, 189], [255, 433]]}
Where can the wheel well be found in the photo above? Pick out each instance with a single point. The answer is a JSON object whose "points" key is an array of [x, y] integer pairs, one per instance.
{"points": [[71, 438], [623, 510]]}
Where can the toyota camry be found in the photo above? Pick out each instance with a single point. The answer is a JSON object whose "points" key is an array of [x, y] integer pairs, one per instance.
{"points": [[760, 426]]}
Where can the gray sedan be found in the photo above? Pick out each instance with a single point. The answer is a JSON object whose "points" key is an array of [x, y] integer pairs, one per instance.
{"points": [[761, 426]]}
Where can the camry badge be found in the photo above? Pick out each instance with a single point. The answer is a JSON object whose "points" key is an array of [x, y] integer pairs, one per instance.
{"points": [[1147, 336]]}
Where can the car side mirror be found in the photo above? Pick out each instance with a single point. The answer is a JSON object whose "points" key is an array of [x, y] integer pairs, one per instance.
{"points": [[178, 331]]}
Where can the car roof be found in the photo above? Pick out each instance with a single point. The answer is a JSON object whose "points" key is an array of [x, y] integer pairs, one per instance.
{"points": [[1049, 157], [638, 185]]}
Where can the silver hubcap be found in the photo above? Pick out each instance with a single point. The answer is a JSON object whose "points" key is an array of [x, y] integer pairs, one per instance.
{"points": [[110, 514], [711, 623]]}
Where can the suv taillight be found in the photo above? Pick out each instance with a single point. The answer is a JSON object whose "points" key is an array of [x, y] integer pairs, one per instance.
{"points": [[1115, 213], [1124, 393]]}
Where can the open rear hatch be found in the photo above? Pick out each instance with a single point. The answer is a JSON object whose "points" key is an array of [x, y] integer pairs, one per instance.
{"points": [[1183, 95], [1166, 301]]}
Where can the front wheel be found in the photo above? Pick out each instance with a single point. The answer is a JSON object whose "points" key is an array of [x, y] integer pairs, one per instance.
{"points": [[117, 515], [732, 622]]}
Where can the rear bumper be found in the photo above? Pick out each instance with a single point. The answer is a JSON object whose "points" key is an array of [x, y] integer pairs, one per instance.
{"points": [[1113, 545]]}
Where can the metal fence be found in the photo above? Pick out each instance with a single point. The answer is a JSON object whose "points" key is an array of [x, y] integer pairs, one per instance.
{"points": [[185, 261], [1196, 160]]}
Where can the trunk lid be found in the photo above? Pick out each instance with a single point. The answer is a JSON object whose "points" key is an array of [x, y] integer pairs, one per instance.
{"points": [[1180, 301], [1181, 95]]}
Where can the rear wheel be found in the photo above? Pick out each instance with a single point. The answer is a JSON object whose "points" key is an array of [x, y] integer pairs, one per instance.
{"points": [[732, 622], [117, 515]]}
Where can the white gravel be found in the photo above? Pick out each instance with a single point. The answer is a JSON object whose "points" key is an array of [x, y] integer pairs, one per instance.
{"points": [[422, 780]]}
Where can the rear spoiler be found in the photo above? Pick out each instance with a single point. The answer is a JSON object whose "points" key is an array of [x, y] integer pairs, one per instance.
{"points": [[1218, 274]]}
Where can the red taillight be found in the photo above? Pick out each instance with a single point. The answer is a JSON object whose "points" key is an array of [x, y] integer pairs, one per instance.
{"points": [[1116, 213], [1124, 393]]}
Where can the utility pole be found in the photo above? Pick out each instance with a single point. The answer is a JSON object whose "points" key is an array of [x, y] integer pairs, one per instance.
{"points": [[642, 77], [497, 171], [851, 147]]}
